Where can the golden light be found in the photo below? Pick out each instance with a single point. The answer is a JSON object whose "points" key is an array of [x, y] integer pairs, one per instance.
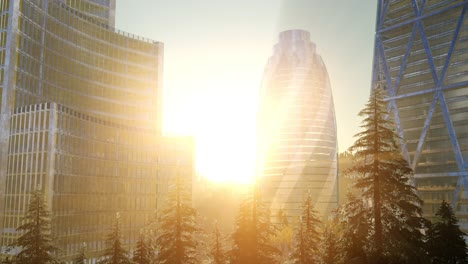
{"points": [[223, 126], [225, 140]]}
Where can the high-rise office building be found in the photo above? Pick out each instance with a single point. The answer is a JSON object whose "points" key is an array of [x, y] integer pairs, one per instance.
{"points": [[102, 11], [80, 119], [421, 60], [297, 128]]}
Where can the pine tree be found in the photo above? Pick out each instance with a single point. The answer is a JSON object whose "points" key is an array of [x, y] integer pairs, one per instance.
{"points": [[114, 252], [142, 254], [446, 243], [353, 221], [36, 242], [153, 247], [242, 249], [283, 235], [307, 237], [218, 253], [330, 251], [384, 180], [81, 258], [253, 233], [177, 227]]}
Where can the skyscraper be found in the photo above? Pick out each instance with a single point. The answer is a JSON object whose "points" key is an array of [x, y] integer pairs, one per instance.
{"points": [[297, 129], [80, 120], [420, 59], [101, 11]]}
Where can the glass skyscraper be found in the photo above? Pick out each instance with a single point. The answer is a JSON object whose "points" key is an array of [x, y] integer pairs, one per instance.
{"points": [[421, 60], [80, 119], [297, 129], [102, 11]]}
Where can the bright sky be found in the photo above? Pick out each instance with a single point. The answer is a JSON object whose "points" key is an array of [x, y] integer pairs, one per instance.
{"points": [[214, 55]]}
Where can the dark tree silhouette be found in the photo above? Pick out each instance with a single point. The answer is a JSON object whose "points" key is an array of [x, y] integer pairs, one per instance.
{"points": [[177, 227], [115, 253], [142, 254], [446, 243], [330, 251], [307, 238], [252, 236], [36, 242], [395, 208], [352, 220], [218, 252]]}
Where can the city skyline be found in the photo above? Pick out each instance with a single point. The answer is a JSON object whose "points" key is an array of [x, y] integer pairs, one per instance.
{"points": [[257, 96], [215, 54]]}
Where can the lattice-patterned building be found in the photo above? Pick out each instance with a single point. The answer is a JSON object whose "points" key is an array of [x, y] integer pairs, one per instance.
{"points": [[421, 59], [297, 129], [80, 118]]}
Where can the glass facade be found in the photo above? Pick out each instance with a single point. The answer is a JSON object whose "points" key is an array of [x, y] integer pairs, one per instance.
{"points": [[91, 169], [297, 129], [421, 59], [102, 11], [80, 119]]}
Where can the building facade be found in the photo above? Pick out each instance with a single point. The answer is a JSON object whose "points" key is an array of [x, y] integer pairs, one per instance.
{"points": [[80, 119], [101, 11], [421, 60], [297, 129]]}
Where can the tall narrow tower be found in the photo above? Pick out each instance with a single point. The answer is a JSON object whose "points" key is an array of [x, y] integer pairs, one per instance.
{"points": [[297, 129], [421, 60]]}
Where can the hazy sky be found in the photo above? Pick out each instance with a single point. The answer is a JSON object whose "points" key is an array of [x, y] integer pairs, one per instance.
{"points": [[215, 53]]}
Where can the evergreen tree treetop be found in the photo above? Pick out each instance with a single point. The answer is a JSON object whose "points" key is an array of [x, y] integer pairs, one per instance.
{"points": [[115, 253], [36, 242], [307, 238], [177, 227], [446, 215], [446, 240], [330, 249], [218, 252], [252, 237], [142, 254], [385, 182]]}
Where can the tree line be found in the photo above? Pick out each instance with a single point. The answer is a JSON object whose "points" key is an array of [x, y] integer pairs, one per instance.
{"points": [[384, 224]]}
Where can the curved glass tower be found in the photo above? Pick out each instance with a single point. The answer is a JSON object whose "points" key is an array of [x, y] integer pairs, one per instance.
{"points": [[80, 119], [297, 129], [421, 59]]}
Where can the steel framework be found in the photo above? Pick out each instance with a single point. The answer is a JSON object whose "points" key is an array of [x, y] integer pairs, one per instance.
{"points": [[421, 59]]}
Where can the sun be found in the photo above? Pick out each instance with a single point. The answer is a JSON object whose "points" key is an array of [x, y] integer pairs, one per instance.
{"points": [[223, 127], [225, 153], [225, 142]]}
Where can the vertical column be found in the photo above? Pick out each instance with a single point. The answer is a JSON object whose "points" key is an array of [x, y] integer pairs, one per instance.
{"points": [[111, 15], [43, 38], [158, 91], [51, 150], [8, 103]]}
